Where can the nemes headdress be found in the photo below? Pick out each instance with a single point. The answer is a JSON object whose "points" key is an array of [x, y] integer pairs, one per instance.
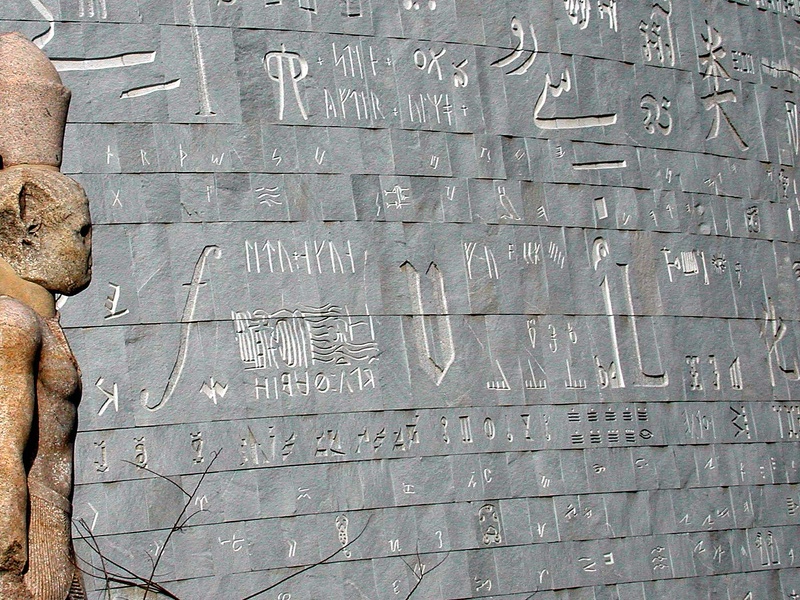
{"points": [[33, 105]]}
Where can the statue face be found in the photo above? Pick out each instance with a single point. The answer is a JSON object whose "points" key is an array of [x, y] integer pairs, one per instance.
{"points": [[64, 262], [52, 244]]}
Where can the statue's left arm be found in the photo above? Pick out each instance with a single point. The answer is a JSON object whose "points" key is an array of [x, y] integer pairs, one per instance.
{"points": [[20, 342]]}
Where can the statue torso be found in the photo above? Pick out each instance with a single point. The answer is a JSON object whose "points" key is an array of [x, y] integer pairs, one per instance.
{"points": [[58, 390]]}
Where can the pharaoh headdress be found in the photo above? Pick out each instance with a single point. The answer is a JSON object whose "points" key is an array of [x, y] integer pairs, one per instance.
{"points": [[33, 105]]}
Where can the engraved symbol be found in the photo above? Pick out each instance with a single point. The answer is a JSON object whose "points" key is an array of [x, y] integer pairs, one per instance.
{"points": [[643, 379], [490, 522], [578, 12], [509, 212], [101, 466], [768, 549], [341, 528], [658, 44], [186, 328], [236, 543], [118, 61], [714, 70], [573, 384], [793, 127], [460, 76], [558, 123], [423, 63], [213, 389], [111, 397], [145, 90], [415, 4], [94, 518], [86, 8], [112, 303], [600, 165], [202, 84], [43, 39], [600, 209], [773, 331], [269, 196], [752, 219], [433, 334], [501, 384], [740, 421], [533, 383], [518, 31], [655, 111], [609, 10], [275, 63], [197, 443], [599, 251], [140, 456]]}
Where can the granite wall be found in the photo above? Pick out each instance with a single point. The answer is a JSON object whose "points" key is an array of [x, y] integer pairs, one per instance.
{"points": [[448, 298]]}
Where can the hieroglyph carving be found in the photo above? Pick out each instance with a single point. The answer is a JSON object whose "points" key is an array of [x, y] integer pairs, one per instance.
{"points": [[187, 324], [658, 44], [275, 63], [717, 73], [518, 31], [611, 375], [773, 330], [433, 335], [45, 248], [555, 90]]}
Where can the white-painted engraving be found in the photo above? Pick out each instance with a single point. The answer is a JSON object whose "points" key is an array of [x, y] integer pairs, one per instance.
{"points": [[433, 334], [275, 63], [558, 123], [186, 328], [518, 31]]}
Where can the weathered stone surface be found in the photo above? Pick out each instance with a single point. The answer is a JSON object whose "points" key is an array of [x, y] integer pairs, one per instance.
{"points": [[512, 285], [45, 249]]}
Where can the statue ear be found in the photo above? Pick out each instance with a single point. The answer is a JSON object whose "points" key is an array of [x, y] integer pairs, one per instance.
{"points": [[31, 219]]}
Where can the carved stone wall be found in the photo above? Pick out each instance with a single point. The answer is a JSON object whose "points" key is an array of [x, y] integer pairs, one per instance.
{"points": [[507, 287]]}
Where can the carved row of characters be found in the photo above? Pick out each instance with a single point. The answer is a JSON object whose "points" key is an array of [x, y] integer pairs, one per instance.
{"points": [[333, 336], [288, 67], [597, 526], [599, 491], [432, 433], [673, 201]]}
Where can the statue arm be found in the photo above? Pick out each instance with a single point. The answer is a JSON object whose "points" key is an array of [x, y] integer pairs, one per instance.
{"points": [[20, 340]]}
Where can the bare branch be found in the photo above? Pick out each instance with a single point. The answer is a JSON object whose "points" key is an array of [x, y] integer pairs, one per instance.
{"points": [[174, 528], [159, 475], [423, 574], [309, 567], [133, 579]]}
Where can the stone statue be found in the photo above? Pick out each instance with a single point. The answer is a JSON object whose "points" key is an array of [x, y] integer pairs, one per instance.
{"points": [[45, 248]]}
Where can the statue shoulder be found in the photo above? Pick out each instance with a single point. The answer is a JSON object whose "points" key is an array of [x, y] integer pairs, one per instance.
{"points": [[19, 324]]}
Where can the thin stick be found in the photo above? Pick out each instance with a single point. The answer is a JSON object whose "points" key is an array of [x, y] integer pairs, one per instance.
{"points": [[306, 568]]}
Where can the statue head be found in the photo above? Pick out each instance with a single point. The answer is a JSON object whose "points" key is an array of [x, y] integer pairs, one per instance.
{"points": [[45, 230]]}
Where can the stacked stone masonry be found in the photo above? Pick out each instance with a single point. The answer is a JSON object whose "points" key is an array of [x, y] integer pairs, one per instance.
{"points": [[468, 299]]}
